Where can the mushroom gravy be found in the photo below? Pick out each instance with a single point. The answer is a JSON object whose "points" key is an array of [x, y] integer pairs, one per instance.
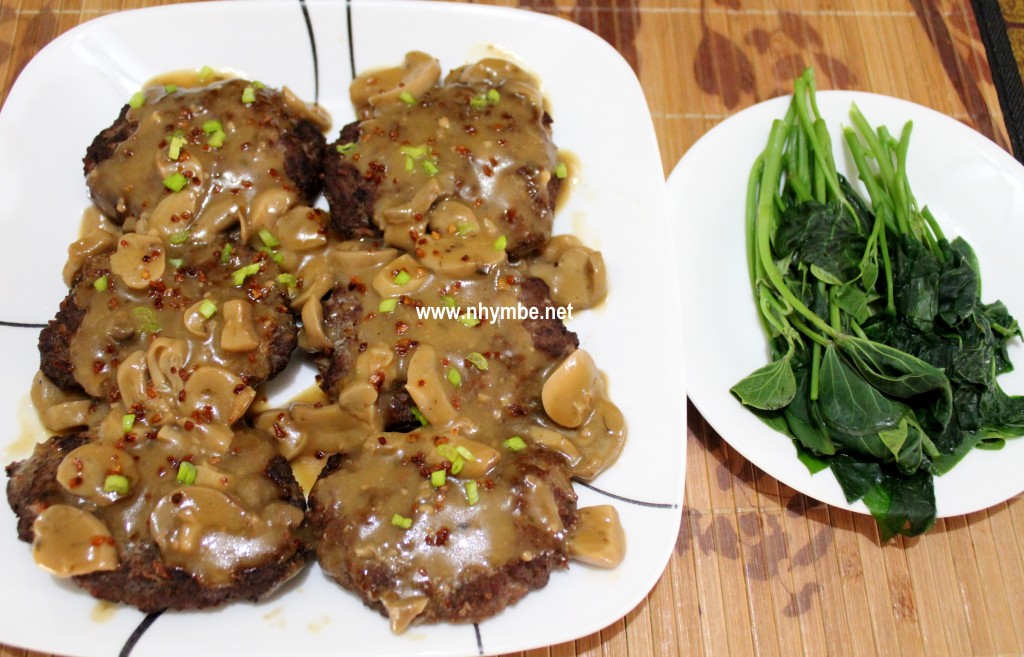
{"points": [[456, 437]]}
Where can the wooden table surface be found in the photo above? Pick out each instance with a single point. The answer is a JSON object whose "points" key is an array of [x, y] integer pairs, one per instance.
{"points": [[758, 568]]}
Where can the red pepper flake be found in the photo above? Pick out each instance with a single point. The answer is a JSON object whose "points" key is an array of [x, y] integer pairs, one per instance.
{"points": [[381, 440]]}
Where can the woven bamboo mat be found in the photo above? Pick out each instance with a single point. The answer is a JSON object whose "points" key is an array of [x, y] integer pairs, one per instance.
{"points": [[759, 569]]}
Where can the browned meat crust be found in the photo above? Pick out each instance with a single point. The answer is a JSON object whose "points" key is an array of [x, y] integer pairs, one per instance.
{"points": [[342, 311], [349, 193], [55, 343], [548, 334], [143, 580], [474, 594], [105, 143]]}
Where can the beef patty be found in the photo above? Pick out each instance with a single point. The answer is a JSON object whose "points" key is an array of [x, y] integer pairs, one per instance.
{"points": [[424, 549], [164, 534], [232, 138]]}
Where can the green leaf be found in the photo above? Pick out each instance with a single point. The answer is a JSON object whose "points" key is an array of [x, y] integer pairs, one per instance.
{"points": [[849, 404], [895, 438], [855, 476], [768, 388]]}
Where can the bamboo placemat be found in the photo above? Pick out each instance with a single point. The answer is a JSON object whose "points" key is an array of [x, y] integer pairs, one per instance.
{"points": [[759, 569]]}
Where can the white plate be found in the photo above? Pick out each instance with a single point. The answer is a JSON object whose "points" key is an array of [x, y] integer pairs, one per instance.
{"points": [[76, 86], [974, 188]]}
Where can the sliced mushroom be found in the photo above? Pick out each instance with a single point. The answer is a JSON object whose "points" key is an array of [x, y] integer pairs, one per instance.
{"points": [[219, 216], [575, 273], [92, 243], [172, 215], [58, 409], [139, 260], [195, 321], [571, 390], [301, 229], [265, 210], [165, 359], [314, 337], [502, 73], [403, 610], [403, 275], [428, 388], [449, 217], [355, 257], [213, 389], [556, 442], [85, 470], [417, 74], [461, 257], [69, 541], [315, 114], [476, 459], [599, 539], [238, 333], [600, 439]]}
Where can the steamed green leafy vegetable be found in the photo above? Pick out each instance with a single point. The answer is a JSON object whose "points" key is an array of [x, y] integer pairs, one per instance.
{"points": [[883, 356]]}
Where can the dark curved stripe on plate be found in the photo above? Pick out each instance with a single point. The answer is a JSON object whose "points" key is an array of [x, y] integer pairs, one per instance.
{"points": [[129, 645], [351, 45], [21, 325], [312, 47], [1005, 73], [651, 505], [479, 641]]}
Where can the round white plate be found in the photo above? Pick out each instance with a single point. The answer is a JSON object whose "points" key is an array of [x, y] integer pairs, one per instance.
{"points": [[974, 188], [76, 86]]}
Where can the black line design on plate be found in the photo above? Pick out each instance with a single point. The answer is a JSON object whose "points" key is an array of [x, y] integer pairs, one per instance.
{"points": [[137, 634], [479, 641], [351, 45], [21, 325], [1005, 73], [312, 47], [651, 505]]}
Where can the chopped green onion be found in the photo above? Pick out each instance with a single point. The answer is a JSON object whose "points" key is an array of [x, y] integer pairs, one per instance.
{"points": [[288, 280], [187, 473], [170, 88], [216, 140], [477, 359], [407, 98], [420, 417], [269, 239], [468, 321], [453, 377], [116, 483], [437, 478], [272, 254], [409, 164], [472, 493], [478, 101], [561, 171], [258, 84], [101, 284], [249, 94], [174, 149], [212, 126], [457, 465], [175, 182], [146, 318], [347, 148], [127, 422], [398, 520], [137, 100], [430, 168], [207, 308], [225, 254], [493, 96], [515, 443], [464, 452], [180, 237], [402, 277], [418, 152], [447, 452], [205, 73], [388, 305], [176, 262], [463, 228], [239, 275], [447, 301], [500, 243]]}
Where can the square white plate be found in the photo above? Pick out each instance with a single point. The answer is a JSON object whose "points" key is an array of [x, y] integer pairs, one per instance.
{"points": [[76, 86]]}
